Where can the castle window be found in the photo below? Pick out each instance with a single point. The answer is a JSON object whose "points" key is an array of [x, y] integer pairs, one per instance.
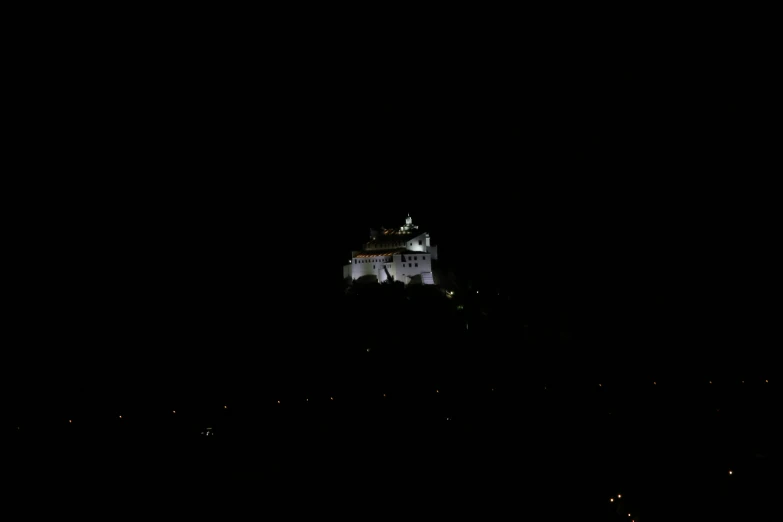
{"points": [[420, 241], [417, 264]]}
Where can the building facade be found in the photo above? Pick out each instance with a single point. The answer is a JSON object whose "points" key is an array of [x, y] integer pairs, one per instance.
{"points": [[405, 254]]}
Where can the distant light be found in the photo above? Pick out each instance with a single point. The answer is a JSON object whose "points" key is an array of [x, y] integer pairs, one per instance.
{"points": [[619, 496], [611, 500], [655, 382], [384, 395], [368, 349], [120, 416], [437, 391], [710, 382], [70, 421], [731, 472], [331, 398], [600, 385], [225, 407], [766, 380], [278, 402], [173, 411]]}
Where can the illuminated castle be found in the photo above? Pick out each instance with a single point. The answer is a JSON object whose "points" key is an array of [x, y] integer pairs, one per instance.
{"points": [[403, 254]]}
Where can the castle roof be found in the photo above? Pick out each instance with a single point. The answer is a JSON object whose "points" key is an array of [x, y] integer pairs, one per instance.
{"points": [[394, 236], [386, 253], [393, 233]]}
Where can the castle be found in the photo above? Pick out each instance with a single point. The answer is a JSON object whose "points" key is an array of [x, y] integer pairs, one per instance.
{"points": [[405, 254]]}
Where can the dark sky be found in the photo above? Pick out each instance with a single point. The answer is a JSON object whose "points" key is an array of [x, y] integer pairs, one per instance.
{"points": [[616, 170]]}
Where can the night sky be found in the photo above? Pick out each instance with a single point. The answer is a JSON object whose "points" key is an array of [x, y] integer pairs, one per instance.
{"points": [[179, 218]]}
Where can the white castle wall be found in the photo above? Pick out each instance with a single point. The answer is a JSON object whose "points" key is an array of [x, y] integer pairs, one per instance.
{"points": [[414, 264], [364, 266], [417, 243]]}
